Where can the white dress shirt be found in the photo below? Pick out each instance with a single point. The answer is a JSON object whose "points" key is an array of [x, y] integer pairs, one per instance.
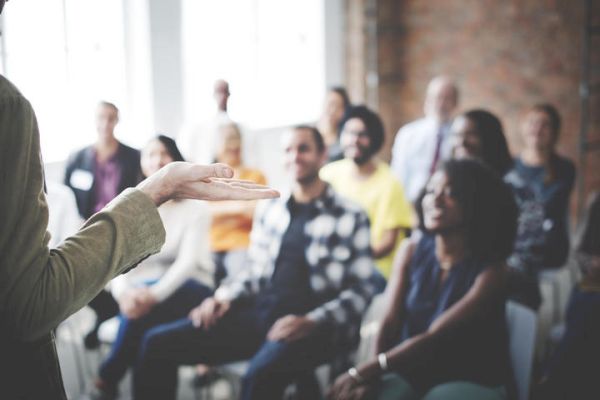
{"points": [[414, 150]]}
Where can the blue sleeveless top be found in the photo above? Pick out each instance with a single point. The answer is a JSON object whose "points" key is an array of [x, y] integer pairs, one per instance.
{"points": [[476, 352]]}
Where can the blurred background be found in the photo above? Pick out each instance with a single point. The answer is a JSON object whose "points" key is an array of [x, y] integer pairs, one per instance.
{"points": [[157, 61]]}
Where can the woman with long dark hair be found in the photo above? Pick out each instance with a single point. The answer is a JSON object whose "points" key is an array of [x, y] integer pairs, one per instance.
{"points": [[443, 335], [337, 104], [478, 134]]}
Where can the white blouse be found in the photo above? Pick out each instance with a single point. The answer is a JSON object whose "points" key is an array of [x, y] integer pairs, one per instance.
{"points": [[185, 254]]}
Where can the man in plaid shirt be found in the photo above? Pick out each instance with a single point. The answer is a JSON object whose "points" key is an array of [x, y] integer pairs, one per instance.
{"points": [[309, 280]]}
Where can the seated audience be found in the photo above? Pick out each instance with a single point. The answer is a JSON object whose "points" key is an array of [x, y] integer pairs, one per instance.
{"points": [[363, 178], [422, 145], [97, 174], [167, 285], [300, 299], [478, 134], [541, 181], [572, 372], [337, 104], [444, 333], [232, 220]]}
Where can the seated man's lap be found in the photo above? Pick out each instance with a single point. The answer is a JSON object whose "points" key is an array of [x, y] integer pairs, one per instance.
{"points": [[235, 337], [178, 305], [295, 356]]}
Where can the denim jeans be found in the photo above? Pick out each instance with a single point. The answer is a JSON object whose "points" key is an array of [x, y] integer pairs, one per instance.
{"points": [[241, 334], [131, 332]]}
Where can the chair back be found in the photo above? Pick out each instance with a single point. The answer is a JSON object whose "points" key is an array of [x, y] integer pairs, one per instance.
{"points": [[521, 322]]}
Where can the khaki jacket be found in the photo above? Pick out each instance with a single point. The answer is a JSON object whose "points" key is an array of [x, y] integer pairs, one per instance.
{"points": [[40, 287]]}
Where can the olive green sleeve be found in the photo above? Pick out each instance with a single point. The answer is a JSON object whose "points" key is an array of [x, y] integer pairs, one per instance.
{"points": [[40, 287]]}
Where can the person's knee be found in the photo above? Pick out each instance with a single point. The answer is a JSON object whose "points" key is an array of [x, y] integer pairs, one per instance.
{"points": [[257, 372], [266, 362], [151, 345]]}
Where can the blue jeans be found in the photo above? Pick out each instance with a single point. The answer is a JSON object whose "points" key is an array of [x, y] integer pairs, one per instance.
{"points": [[131, 332], [239, 335]]}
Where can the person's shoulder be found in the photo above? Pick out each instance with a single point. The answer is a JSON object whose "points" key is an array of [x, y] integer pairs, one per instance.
{"points": [[334, 168], [384, 171], [407, 135], [414, 125], [336, 165], [80, 154], [10, 95], [386, 179], [8, 89], [129, 150], [347, 206], [564, 164]]}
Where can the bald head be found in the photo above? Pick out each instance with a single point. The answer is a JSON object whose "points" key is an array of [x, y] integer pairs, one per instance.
{"points": [[221, 94], [441, 99]]}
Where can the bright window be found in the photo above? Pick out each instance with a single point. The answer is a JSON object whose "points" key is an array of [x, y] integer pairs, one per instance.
{"points": [[65, 56], [271, 52]]}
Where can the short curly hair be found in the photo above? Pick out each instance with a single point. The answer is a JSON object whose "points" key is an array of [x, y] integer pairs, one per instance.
{"points": [[488, 206], [373, 125]]}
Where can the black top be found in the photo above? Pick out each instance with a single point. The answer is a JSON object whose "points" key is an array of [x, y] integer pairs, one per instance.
{"points": [[289, 291], [542, 235], [476, 352]]}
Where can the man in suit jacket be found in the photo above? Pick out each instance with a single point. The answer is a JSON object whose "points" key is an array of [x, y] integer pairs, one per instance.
{"points": [[99, 172]]}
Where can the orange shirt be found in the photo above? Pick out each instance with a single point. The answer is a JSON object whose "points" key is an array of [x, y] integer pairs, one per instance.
{"points": [[230, 229]]}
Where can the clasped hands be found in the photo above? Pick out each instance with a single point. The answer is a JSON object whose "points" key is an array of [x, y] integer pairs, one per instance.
{"points": [[137, 302]]}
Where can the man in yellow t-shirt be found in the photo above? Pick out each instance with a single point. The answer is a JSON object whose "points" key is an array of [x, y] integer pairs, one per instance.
{"points": [[369, 182]]}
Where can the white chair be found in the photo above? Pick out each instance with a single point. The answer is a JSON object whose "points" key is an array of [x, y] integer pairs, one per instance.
{"points": [[555, 288], [521, 322]]}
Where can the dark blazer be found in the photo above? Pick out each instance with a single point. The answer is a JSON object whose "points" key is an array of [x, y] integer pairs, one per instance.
{"points": [[83, 162]]}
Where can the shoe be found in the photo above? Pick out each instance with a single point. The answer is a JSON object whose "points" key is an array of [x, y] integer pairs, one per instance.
{"points": [[102, 391], [91, 341], [206, 379]]}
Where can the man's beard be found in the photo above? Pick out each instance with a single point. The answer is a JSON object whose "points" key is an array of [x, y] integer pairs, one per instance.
{"points": [[308, 179], [362, 159]]}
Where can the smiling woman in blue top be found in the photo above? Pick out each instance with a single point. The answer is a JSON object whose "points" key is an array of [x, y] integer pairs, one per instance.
{"points": [[444, 327]]}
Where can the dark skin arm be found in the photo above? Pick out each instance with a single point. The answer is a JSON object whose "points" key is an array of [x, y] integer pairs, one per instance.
{"points": [[395, 293], [487, 289]]}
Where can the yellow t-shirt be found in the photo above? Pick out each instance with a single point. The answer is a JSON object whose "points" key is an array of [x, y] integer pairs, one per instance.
{"points": [[232, 231], [382, 198]]}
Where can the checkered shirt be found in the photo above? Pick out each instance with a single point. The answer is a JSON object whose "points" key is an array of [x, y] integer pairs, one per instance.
{"points": [[339, 255]]}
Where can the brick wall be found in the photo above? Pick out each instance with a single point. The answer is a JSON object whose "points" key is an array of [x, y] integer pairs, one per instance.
{"points": [[505, 56]]}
